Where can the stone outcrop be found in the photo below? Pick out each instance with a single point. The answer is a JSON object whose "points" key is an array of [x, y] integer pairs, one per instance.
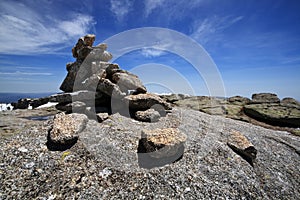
{"points": [[265, 109], [265, 98]]}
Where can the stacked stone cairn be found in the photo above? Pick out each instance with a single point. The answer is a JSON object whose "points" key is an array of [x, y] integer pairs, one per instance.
{"points": [[94, 86]]}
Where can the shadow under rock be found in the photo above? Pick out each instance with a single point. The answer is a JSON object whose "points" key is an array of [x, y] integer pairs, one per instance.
{"points": [[147, 161], [52, 146]]}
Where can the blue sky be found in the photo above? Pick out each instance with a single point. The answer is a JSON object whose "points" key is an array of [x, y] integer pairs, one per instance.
{"points": [[255, 45]]}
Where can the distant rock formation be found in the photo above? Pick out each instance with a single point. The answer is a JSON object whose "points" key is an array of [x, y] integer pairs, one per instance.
{"points": [[264, 109]]}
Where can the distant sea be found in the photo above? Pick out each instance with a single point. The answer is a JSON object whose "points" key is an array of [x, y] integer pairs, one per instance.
{"points": [[14, 97]]}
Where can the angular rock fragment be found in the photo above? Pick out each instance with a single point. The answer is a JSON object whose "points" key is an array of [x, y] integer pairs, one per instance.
{"points": [[65, 130], [102, 116], [75, 107], [149, 115], [242, 146], [109, 88], [128, 81], [162, 143], [145, 101]]}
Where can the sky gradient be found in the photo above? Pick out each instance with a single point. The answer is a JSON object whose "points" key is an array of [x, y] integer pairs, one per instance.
{"points": [[254, 44]]}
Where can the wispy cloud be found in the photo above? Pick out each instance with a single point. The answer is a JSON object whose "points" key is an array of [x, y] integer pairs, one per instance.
{"points": [[152, 52], [27, 31], [210, 29], [150, 5], [120, 8], [19, 73]]}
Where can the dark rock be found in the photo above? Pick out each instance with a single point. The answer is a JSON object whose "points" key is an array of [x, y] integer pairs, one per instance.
{"points": [[66, 128], [111, 69], [242, 146], [265, 98], [145, 101], [171, 98], [83, 96], [288, 101], [238, 100], [73, 107], [22, 103], [109, 88], [69, 81], [274, 114], [149, 115]]}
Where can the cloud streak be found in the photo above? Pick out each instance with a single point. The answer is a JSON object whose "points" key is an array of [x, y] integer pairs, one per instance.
{"points": [[26, 31], [211, 29], [120, 8], [19, 73]]}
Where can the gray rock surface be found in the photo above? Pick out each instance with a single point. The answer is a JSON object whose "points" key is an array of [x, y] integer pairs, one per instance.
{"points": [[104, 163], [149, 115]]}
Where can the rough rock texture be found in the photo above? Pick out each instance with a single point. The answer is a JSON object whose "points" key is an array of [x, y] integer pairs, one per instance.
{"points": [[104, 163], [128, 81], [265, 98], [149, 115], [274, 114], [146, 101], [278, 116], [238, 100], [161, 143], [65, 129], [242, 146]]}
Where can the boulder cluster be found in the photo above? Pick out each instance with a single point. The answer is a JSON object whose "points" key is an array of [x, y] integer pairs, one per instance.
{"points": [[93, 85]]}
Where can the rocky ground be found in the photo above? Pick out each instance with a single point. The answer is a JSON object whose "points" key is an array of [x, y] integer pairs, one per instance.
{"points": [[107, 162]]}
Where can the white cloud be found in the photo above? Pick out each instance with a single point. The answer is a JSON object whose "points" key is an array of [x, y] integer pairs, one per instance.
{"points": [[28, 31], [210, 29], [120, 8], [150, 5], [152, 52], [19, 73]]}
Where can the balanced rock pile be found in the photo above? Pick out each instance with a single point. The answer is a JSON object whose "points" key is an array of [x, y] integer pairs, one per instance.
{"points": [[93, 85]]}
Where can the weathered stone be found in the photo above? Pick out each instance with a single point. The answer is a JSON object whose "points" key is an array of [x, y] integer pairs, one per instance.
{"points": [[111, 69], [163, 143], [75, 107], [68, 83], [149, 115], [109, 88], [145, 101], [102, 116], [98, 54], [242, 146], [171, 98], [238, 100], [91, 83], [66, 128], [274, 114], [265, 98], [22, 103], [128, 81], [98, 67], [83, 96], [288, 101], [83, 46]]}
